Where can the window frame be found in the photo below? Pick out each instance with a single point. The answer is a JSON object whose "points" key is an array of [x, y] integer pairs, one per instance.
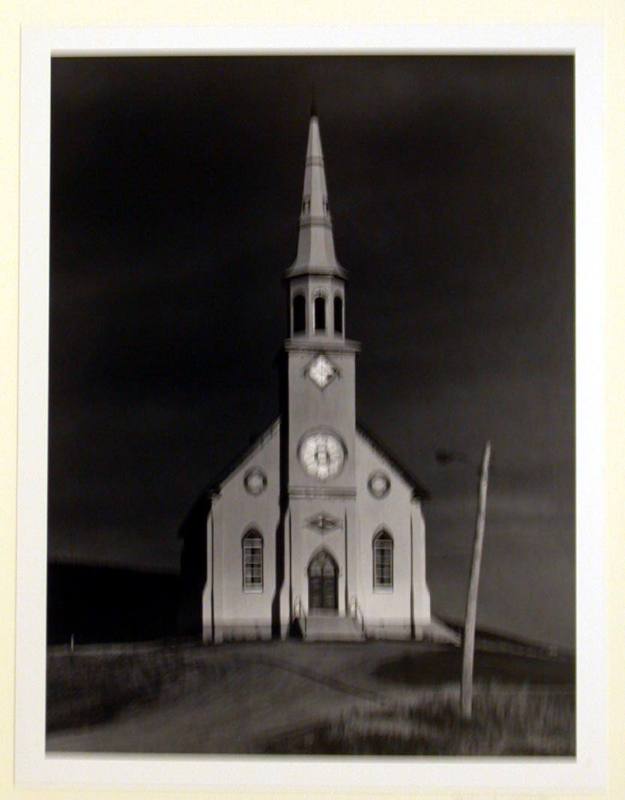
{"points": [[383, 542], [252, 541], [324, 300], [297, 298], [338, 329]]}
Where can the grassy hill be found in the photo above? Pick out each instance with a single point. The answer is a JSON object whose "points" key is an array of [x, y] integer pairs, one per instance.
{"points": [[109, 604]]}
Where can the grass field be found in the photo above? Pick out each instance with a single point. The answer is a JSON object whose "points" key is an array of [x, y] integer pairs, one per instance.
{"points": [[387, 698], [504, 722]]}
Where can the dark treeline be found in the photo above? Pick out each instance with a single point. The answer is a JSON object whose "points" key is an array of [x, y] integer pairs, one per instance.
{"points": [[109, 604]]}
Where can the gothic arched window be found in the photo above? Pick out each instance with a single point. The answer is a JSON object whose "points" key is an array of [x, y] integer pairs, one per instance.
{"points": [[320, 313], [383, 560], [338, 314], [299, 314], [252, 545]]}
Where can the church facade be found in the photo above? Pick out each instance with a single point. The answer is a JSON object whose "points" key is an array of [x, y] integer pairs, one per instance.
{"points": [[317, 530]]}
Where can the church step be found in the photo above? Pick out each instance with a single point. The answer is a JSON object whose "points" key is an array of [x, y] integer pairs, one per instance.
{"points": [[322, 628]]}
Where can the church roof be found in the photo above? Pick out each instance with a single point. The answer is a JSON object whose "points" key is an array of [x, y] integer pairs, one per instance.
{"points": [[419, 490], [315, 244], [222, 476]]}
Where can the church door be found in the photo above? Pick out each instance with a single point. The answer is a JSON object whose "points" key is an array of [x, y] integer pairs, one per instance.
{"points": [[322, 583]]}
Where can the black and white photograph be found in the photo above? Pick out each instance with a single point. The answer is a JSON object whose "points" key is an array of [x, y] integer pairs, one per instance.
{"points": [[311, 458]]}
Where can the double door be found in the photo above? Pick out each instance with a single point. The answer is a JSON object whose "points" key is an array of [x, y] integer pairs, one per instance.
{"points": [[322, 583]]}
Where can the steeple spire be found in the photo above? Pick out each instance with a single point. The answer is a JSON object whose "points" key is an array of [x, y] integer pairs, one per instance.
{"points": [[315, 246]]}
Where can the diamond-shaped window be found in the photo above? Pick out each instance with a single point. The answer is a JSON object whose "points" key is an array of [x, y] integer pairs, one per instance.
{"points": [[322, 371]]}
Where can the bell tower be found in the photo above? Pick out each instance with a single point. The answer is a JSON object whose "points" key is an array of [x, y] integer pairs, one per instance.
{"points": [[321, 404]]}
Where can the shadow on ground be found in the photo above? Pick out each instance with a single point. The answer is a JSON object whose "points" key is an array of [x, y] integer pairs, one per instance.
{"points": [[444, 666]]}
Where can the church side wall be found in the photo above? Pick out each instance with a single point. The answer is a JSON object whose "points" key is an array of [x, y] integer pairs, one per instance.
{"points": [[207, 594], [421, 596], [242, 613], [389, 612]]}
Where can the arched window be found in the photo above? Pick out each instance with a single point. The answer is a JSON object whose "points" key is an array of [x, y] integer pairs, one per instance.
{"points": [[383, 560], [252, 562], [299, 313], [320, 313], [338, 314]]}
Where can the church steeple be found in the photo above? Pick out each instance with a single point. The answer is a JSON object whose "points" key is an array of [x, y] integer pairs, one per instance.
{"points": [[316, 280], [315, 245], [320, 399]]}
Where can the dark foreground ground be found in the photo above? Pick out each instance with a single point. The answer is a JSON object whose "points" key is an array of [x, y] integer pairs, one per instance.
{"points": [[290, 697]]}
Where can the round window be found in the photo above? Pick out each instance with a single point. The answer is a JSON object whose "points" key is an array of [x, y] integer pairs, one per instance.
{"points": [[255, 481], [322, 454], [379, 484]]}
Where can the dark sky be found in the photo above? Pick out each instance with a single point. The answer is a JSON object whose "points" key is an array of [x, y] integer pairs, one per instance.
{"points": [[176, 185]]}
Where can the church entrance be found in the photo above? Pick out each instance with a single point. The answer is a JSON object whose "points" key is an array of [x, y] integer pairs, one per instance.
{"points": [[322, 583]]}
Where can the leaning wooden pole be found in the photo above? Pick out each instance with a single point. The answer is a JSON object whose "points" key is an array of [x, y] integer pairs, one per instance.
{"points": [[466, 695]]}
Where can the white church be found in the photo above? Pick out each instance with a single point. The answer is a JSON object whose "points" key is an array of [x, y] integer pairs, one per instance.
{"points": [[317, 531]]}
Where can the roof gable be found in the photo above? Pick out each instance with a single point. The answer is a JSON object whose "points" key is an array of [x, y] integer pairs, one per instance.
{"points": [[239, 460], [230, 469], [419, 490]]}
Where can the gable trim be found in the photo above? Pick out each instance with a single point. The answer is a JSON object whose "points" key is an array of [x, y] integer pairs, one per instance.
{"points": [[214, 487], [419, 491]]}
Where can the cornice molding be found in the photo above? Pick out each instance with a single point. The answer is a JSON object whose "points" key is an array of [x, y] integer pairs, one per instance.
{"points": [[321, 491], [322, 345]]}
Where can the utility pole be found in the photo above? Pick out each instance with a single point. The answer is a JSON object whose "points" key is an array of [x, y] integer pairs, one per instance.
{"points": [[466, 694]]}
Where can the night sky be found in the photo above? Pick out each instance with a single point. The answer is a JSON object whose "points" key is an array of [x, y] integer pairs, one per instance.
{"points": [[176, 187]]}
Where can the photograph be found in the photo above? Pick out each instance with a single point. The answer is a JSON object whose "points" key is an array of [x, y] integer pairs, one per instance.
{"points": [[311, 417]]}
